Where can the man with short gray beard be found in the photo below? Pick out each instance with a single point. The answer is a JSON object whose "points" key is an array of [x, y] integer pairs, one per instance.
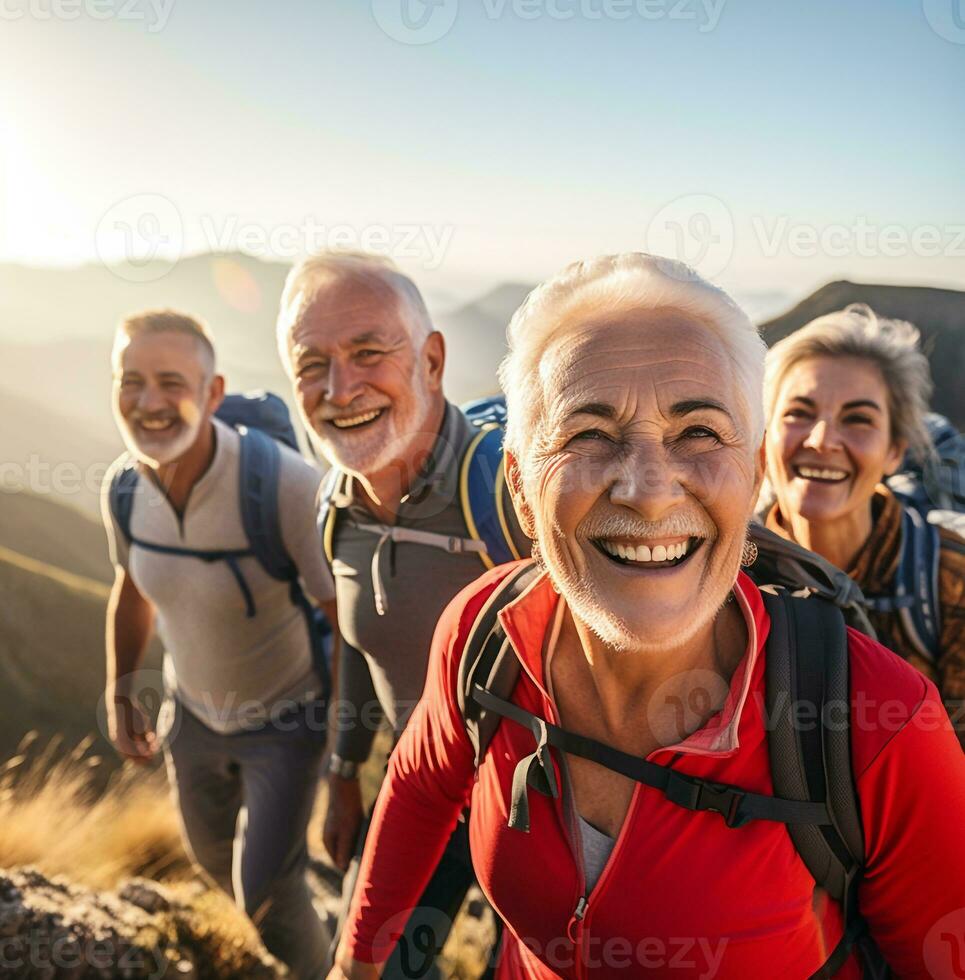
{"points": [[243, 725], [367, 368]]}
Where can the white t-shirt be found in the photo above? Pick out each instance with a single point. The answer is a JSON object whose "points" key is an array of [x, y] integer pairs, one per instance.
{"points": [[227, 669]]}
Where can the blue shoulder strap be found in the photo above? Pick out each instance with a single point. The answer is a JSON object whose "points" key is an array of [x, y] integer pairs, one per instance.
{"points": [[917, 576], [915, 596], [121, 497], [481, 489], [260, 466]]}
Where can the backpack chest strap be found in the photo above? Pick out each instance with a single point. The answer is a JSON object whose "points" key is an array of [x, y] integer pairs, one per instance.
{"points": [[407, 535], [735, 805], [229, 556]]}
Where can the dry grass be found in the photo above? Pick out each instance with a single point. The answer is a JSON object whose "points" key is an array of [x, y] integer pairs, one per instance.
{"points": [[53, 818], [56, 816]]}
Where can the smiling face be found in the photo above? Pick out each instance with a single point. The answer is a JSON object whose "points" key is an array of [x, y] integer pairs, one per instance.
{"points": [[164, 391], [365, 385], [640, 484], [829, 440]]}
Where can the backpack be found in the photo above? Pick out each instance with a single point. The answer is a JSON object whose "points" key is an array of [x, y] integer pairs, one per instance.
{"points": [[815, 796], [481, 481], [933, 495], [263, 422]]}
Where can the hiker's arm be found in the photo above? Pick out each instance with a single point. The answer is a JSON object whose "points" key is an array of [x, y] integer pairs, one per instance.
{"points": [[428, 784], [356, 716], [951, 653], [912, 800], [130, 621]]}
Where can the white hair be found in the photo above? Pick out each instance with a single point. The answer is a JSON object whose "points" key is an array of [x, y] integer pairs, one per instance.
{"points": [[891, 345], [318, 272], [613, 284]]}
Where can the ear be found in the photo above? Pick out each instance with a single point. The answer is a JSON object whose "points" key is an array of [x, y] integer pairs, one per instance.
{"points": [[216, 393], [434, 352], [760, 466], [895, 456], [514, 480]]}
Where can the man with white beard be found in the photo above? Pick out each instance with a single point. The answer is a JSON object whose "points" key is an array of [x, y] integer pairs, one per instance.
{"points": [[367, 367], [243, 725]]}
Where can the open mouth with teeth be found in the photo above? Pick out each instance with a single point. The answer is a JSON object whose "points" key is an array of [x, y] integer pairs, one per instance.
{"points": [[358, 421], [820, 474], [639, 555], [157, 425]]}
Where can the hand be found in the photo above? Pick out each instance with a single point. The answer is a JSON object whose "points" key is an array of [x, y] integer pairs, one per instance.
{"points": [[353, 970], [346, 968], [343, 818], [130, 728]]}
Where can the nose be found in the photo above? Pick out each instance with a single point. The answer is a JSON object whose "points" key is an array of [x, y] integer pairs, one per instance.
{"points": [[152, 399], [646, 481], [342, 386], [822, 437]]}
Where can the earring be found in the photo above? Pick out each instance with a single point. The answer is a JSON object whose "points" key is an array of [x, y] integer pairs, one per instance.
{"points": [[749, 553], [537, 555]]}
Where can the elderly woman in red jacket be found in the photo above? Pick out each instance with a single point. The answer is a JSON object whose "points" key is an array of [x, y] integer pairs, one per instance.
{"points": [[634, 455]]}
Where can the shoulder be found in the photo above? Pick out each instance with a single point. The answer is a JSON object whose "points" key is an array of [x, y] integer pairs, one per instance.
{"points": [[887, 695], [459, 616], [296, 474], [121, 463]]}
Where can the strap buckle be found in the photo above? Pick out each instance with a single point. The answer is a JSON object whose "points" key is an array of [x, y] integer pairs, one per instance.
{"points": [[696, 794]]}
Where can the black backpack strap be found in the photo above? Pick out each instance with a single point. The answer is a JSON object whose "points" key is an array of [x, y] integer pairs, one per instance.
{"points": [[488, 662], [809, 741], [121, 497]]}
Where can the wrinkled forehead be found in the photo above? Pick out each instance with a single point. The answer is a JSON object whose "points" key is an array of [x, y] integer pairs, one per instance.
{"points": [[331, 312], [647, 359]]}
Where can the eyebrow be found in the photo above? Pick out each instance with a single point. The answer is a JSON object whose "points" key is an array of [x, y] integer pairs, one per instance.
{"points": [[600, 409], [857, 403], [697, 405]]}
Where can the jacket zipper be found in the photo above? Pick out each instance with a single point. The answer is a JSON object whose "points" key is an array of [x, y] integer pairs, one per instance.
{"points": [[576, 923]]}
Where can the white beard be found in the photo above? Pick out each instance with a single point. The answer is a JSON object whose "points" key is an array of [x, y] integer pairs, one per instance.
{"points": [[389, 442], [161, 455]]}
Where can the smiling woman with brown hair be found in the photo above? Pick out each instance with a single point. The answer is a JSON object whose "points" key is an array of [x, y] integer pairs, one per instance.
{"points": [[629, 814], [846, 398]]}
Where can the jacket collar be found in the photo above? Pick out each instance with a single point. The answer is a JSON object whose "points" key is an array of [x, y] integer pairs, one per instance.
{"points": [[529, 617]]}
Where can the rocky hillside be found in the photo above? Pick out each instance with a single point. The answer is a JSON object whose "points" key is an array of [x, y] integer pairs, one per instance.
{"points": [[142, 931]]}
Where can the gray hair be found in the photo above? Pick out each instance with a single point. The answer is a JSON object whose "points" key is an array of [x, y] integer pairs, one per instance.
{"points": [[166, 321], [617, 284], [317, 272], [891, 345]]}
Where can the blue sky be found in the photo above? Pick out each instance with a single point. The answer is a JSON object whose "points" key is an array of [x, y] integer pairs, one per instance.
{"points": [[776, 145]]}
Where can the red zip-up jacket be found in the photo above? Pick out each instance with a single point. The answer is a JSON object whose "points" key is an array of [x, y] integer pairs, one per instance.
{"points": [[682, 895]]}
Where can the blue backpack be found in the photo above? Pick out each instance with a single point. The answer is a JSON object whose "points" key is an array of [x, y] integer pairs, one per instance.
{"points": [[262, 421], [933, 495], [481, 482]]}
